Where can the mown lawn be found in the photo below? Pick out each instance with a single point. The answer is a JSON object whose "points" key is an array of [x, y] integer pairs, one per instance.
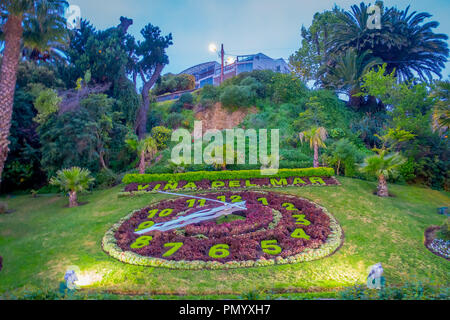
{"points": [[41, 238]]}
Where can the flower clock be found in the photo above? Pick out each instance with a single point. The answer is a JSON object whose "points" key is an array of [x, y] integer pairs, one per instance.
{"points": [[225, 230]]}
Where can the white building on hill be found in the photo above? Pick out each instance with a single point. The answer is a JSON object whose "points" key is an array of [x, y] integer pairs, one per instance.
{"points": [[209, 72]]}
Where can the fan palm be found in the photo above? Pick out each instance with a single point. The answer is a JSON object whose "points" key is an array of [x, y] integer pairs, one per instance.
{"points": [[316, 137], [383, 165], [72, 180], [15, 16], [145, 148], [405, 42]]}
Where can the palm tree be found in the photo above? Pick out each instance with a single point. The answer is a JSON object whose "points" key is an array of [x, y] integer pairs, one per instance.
{"points": [[316, 137], [347, 71], [15, 16], [72, 180], [405, 42], [441, 113], [145, 148], [383, 165], [45, 34]]}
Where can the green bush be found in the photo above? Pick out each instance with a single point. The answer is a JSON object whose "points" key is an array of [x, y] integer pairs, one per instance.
{"points": [[186, 98], [106, 178], [225, 175], [174, 120], [238, 96], [409, 291], [3, 207], [161, 135], [444, 232]]}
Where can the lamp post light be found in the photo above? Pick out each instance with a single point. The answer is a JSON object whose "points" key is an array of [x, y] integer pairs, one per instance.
{"points": [[213, 48]]}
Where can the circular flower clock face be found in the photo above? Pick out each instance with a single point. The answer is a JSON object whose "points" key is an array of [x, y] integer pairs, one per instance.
{"points": [[225, 230]]}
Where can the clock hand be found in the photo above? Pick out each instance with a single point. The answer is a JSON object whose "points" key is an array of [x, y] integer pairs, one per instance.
{"points": [[199, 216], [194, 197]]}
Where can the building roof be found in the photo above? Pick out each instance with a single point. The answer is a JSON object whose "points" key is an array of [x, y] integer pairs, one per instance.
{"points": [[200, 67]]}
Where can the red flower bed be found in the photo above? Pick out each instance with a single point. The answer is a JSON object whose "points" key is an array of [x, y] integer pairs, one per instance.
{"points": [[244, 238]]}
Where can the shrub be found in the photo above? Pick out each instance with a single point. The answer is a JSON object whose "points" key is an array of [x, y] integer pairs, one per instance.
{"points": [[3, 207], [106, 178], [444, 231], [237, 96], [409, 291], [161, 135], [174, 120], [209, 95], [186, 98], [224, 175]]}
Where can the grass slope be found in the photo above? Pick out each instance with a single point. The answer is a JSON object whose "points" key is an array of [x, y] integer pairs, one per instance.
{"points": [[42, 238]]}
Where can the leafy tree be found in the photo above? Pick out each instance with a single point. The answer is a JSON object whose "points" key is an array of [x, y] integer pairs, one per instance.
{"points": [[441, 112], [145, 148], [73, 180], [16, 17], [316, 137], [172, 83], [148, 60], [344, 154], [46, 104], [409, 105], [307, 60]]}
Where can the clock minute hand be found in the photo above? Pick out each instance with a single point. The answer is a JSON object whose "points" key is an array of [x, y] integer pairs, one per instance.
{"points": [[200, 216]]}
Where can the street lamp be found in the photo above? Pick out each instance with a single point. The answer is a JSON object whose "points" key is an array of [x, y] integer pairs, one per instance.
{"points": [[213, 48]]}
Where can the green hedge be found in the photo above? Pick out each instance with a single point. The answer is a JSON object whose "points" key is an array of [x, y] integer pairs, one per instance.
{"points": [[226, 175]]}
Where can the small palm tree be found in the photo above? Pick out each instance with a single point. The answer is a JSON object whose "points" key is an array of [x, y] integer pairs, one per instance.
{"points": [[72, 180], [316, 137], [146, 150], [383, 165]]}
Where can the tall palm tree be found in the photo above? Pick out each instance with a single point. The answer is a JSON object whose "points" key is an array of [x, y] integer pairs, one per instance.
{"points": [[405, 42], [45, 34], [383, 165], [145, 148], [15, 15], [347, 71], [316, 137], [441, 113], [72, 180]]}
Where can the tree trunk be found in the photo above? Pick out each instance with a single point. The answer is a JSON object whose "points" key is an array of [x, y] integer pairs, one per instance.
{"points": [[382, 187], [316, 155], [355, 102], [142, 163], [338, 167], [8, 75], [141, 121], [73, 199], [102, 160]]}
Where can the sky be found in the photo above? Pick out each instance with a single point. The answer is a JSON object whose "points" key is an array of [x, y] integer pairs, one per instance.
{"points": [[243, 26]]}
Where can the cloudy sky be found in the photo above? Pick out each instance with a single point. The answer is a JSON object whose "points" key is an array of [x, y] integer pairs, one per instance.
{"points": [[244, 26]]}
